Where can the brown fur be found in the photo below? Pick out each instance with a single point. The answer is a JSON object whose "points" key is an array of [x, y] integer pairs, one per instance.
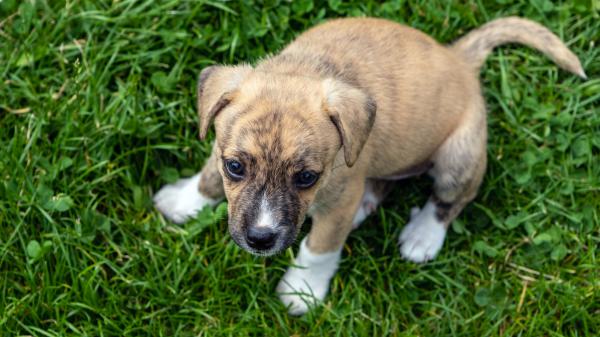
{"points": [[476, 45], [313, 106]]}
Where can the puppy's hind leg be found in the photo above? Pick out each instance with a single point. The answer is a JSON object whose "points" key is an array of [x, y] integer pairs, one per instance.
{"points": [[375, 192], [185, 198], [459, 166]]}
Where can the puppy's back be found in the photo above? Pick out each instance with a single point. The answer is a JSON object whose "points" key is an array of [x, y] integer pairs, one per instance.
{"points": [[415, 81]]}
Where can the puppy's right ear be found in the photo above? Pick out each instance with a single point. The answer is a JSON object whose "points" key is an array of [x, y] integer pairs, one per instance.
{"points": [[215, 90]]}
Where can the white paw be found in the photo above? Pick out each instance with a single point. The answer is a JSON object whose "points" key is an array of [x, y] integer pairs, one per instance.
{"points": [[367, 205], [182, 200], [306, 283], [423, 237], [299, 293]]}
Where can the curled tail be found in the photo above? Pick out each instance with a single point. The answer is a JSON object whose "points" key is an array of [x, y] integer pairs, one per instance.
{"points": [[477, 44]]}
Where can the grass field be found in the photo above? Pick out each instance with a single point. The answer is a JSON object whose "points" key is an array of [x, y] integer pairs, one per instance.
{"points": [[97, 112]]}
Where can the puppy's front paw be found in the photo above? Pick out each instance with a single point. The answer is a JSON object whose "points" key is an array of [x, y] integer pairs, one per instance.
{"points": [[306, 283], [299, 291], [423, 237], [182, 200]]}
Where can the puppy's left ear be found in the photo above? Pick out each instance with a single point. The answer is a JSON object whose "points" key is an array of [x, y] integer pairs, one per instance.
{"points": [[215, 90], [352, 111]]}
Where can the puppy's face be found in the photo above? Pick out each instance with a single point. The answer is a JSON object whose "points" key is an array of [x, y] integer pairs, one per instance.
{"points": [[275, 151], [277, 141]]}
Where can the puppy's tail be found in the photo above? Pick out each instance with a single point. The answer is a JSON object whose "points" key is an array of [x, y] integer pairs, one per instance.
{"points": [[477, 44]]}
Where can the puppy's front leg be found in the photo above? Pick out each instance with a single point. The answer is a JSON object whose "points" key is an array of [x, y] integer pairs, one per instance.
{"points": [[307, 281], [182, 200]]}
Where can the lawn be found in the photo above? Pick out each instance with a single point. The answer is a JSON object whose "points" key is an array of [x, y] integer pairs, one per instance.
{"points": [[97, 111]]}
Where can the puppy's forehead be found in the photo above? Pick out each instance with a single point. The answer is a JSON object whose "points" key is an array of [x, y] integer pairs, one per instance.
{"points": [[276, 135], [276, 119]]}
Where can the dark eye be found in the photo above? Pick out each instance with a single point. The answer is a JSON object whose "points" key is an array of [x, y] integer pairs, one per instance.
{"points": [[305, 179], [234, 169]]}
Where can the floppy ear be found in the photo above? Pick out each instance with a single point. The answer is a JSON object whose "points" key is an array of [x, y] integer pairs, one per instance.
{"points": [[352, 111], [215, 90]]}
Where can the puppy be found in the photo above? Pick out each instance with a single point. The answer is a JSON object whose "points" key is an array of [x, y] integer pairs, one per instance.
{"points": [[319, 129]]}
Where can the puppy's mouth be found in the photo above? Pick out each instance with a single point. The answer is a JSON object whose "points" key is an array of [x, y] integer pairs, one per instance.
{"points": [[263, 253]]}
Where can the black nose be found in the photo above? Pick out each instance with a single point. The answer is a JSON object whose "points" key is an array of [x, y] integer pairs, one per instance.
{"points": [[261, 238]]}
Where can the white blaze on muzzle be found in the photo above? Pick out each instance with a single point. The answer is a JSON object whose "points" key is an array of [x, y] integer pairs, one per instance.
{"points": [[265, 215]]}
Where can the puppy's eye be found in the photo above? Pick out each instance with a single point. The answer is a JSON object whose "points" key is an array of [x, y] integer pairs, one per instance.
{"points": [[234, 169], [305, 179]]}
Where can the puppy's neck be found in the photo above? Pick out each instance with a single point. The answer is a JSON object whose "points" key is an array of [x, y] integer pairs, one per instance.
{"points": [[304, 64]]}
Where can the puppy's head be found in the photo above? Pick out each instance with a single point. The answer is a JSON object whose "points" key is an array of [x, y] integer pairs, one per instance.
{"points": [[277, 139]]}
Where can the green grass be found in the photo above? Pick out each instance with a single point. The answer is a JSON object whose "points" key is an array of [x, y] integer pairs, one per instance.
{"points": [[97, 112]]}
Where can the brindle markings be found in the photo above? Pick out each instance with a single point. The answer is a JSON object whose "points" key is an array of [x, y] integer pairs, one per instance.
{"points": [[268, 170], [229, 123], [264, 132]]}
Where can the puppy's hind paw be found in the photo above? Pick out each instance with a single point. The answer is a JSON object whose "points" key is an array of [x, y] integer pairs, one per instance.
{"points": [[366, 208], [374, 193], [423, 237]]}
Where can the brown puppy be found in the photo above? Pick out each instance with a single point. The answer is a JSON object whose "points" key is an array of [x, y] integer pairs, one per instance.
{"points": [[317, 129]]}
